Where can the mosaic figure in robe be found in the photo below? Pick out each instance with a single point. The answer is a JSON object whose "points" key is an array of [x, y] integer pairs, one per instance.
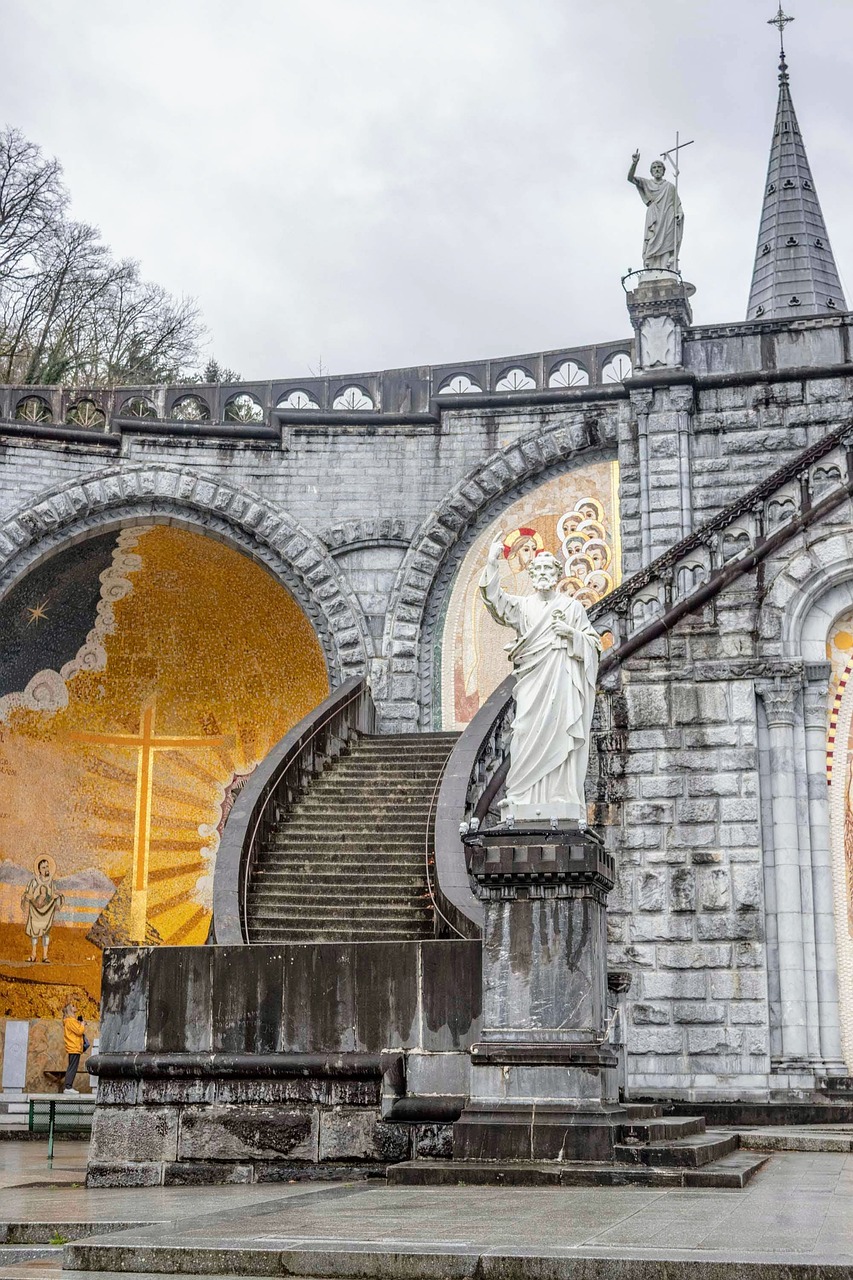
{"points": [[664, 217], [40, 903], [555, 660]]}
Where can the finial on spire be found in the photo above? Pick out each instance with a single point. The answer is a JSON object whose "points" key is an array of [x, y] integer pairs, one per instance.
{"points": [[781, 21]]}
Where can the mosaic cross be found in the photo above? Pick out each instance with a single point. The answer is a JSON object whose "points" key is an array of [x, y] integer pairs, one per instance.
{"points": [[145, 743]]}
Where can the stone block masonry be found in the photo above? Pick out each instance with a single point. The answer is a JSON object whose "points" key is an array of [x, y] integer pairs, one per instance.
{"points": [[232, 1064]]}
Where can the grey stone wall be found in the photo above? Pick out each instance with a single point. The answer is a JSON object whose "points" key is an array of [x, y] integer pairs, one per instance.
{"points": [[712, 760]]}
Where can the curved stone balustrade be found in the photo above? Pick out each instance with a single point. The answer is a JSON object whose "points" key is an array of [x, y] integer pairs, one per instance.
{"points": [[391, 392]]}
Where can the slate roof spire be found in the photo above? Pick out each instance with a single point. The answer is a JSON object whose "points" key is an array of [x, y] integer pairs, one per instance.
{"points": [[795, 272]]}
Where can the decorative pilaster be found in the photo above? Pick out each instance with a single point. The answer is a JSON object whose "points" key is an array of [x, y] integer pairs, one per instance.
{"points": [[780, 705], [664, 434], [641, 403], [815, 716], [683, 402]]}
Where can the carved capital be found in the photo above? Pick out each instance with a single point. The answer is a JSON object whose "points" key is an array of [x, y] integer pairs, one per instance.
{"points": [[815, 694], [780, 701], [814, 705], [642, 402], [682, 399]]}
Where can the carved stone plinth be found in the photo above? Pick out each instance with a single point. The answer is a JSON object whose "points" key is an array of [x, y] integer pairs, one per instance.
{"points": [[541, 1071], [660, 311]]}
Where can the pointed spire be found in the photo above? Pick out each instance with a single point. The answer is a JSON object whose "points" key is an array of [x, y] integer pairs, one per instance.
{"points": [[795, 272]]}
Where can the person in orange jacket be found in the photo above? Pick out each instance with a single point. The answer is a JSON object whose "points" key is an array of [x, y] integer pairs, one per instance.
{"points": [[74, 1034]]}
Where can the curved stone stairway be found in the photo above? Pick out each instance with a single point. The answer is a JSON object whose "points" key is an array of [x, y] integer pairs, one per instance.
{"points": [[349, 862]]}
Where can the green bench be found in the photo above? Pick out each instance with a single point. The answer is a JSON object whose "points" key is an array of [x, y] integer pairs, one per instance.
{"points": [[52, 1115]]}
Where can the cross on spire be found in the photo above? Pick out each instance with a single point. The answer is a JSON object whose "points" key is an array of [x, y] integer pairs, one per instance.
{"points": [[781, 21]]}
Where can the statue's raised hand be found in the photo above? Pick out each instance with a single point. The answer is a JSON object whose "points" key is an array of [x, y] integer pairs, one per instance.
{"points": [[635, 158], [496, 550]]}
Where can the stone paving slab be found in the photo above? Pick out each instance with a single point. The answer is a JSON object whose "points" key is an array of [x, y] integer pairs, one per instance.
{"points": [[795, 1219]]}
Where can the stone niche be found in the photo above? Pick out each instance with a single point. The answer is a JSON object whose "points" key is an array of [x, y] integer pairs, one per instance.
{"points": [[266, 1063]]}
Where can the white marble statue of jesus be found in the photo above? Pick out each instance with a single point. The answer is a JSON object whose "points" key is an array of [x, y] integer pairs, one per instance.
{"points": [[555, 659]]}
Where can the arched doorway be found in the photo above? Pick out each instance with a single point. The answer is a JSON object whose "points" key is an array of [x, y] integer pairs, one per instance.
{"points": [[144, 673]]}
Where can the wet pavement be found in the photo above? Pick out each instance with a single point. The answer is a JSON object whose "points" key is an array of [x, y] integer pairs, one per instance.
{"points": [[795, 1219]]}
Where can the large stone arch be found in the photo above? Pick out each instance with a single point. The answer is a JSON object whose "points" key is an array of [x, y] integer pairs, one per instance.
{"points": [[205, 504], [440, 543]]}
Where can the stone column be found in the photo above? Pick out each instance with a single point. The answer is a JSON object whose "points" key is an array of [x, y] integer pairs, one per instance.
{"points": [[826, 960], [683, 403], [542, 1070], [642, 402], [780, 702]]}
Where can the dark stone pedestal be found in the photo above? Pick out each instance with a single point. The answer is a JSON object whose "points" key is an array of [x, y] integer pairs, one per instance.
{"points": [[542, 1070]]}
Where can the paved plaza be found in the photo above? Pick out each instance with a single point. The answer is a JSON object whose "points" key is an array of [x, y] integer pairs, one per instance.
{"points": [[794, 1220]]}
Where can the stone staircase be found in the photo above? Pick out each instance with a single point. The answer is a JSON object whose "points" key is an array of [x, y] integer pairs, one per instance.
{"points": [[349, 863], [651, 1150]]}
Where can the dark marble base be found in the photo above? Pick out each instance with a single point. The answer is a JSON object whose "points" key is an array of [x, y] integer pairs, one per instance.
{"points": [[537, 1133]]}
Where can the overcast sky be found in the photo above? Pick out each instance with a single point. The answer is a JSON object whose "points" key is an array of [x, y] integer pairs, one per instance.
{"points": [[374, 183]]}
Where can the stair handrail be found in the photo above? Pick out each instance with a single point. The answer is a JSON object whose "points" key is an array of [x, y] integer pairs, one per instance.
{"points": [[454, 889], [435, 894], [271, 789]]}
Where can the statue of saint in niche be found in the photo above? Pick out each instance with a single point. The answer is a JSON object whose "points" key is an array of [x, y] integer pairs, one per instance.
{"points": [[664, 217], [555, 659]]}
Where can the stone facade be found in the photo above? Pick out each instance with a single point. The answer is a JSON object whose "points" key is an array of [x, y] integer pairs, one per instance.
{"points": [[711, 731]]}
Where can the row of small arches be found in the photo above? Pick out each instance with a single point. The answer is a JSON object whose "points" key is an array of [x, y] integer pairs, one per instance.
{"points": [[187, 408], [247, 408], [569, 373]]}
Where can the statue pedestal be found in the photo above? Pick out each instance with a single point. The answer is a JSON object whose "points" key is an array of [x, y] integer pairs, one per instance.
{"points": [[660, 311], [542, 1074]]}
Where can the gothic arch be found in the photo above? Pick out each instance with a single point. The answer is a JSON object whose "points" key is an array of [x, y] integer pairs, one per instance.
{"points": [[204, 504], [442, 540]]}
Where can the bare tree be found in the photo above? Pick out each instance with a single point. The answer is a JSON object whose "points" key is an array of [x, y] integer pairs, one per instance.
{"points": [[69, 311]]}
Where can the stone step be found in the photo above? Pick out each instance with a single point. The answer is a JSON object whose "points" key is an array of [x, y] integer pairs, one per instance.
{"points": [[366, 845], [316, 874], [373, 878], [643, 1110], [371, 914], [349, 834], [421, 741], [388, 800], [396, 765], [407, 752], [354, 934], [700, 1149], [730, 1172], [662, 1129], [406, 856], [351, 898]]}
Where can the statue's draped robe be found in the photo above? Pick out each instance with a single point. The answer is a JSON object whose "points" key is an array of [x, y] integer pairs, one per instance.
{"points": [[664, 223], [554, 698]]}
